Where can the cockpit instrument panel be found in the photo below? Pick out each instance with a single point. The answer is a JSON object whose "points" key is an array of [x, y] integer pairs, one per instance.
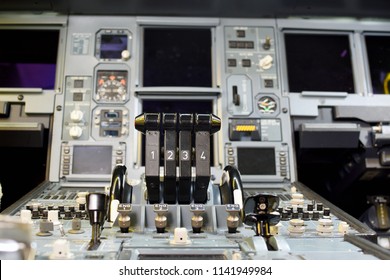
{"points": [[111, 86], [113, 44]]}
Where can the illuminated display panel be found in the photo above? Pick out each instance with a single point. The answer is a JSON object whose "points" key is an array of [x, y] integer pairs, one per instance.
{"points": [[177, 57], [28, 60], [319, 62], [378, 53], [112, 45]]}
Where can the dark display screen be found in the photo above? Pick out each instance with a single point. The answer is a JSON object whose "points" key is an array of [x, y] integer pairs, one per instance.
{"points": [[178, 106], [28, 60], [112, 45], [92, 160], [319, 62], [378, 52], [177, 57], [256, 161]]}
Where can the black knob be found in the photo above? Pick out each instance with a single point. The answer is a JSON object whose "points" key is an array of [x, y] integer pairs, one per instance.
{"points": [[261, 203], [316, 215], [260, 213], [326, 212], [305, 216], [285, 216], [68, 215]]}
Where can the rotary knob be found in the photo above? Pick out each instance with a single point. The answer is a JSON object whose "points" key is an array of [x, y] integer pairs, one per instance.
{"points": [[266, 62], [125, 55], [76, 116], [75, 132]]}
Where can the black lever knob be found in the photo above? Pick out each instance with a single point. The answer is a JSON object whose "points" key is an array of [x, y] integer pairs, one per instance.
{"points": [[260, 212], [97, 206]]}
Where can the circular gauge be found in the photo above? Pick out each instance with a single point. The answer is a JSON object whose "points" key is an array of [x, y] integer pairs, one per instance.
{"points": [[111, 86], [267, 105]]}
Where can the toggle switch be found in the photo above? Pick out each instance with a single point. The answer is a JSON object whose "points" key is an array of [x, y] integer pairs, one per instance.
{"points": [[161, 220], [233, 219], [267, 43], [124, 210], [197, 219]]}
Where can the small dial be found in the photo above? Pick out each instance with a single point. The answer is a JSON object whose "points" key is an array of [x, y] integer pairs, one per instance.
{"points": [[267, 105], [111, 86]]}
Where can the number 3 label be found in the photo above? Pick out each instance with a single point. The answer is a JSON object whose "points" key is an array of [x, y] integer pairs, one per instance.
{"points": [[185, 155]]}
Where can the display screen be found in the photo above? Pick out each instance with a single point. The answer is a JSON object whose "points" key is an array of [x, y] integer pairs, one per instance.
{"points": [[177, 57], [28, 60], [177, 106], [256, 161], [92, 160], [319, 62], [378, 52], [112, 45]]}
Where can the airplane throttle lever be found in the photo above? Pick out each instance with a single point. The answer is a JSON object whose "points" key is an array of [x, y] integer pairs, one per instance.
{"points": [[149, 124], [169, 122], [205, 125], [186, 122]]}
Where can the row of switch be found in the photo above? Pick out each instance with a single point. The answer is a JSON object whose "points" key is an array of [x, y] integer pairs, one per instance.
{"points": [[265, 62], [283, 164]]}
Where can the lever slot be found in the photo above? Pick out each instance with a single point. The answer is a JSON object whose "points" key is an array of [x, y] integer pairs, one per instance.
{"points": [[236, 96]]}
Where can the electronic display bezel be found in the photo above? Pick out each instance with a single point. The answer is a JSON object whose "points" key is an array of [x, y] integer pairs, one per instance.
{"points": [[109, 156], [277, 158], [99, 44], [26, 65], [326, 86], [373, 85], [177, 75]]}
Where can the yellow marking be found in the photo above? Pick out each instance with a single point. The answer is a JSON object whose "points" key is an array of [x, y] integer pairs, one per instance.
{"points": [[245, 128]]}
